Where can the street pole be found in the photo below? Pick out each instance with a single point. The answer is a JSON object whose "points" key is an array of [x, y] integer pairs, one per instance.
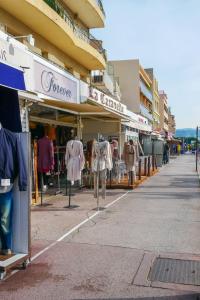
{"points": [[197, 135]]}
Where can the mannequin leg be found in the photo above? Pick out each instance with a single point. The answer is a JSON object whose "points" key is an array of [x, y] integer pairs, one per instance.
{"points": [[103, 175], [131, 177], [134, 175], [95, 184]]}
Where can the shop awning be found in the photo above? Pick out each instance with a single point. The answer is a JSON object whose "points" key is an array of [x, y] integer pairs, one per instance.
{"points": [[11, 77], [29, 96], [138, 125], [84, 109]]}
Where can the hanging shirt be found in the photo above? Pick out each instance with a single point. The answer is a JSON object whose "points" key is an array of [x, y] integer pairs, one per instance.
{"points": [[74, 160], [45, 155], [101, 156], [12, 161]]}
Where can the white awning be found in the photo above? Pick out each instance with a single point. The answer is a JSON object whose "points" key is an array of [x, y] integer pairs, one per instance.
{"points": [[29, 96]]}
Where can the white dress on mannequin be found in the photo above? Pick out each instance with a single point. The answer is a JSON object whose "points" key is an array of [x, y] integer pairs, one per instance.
{"points": [[74, 160], [101, 162]]}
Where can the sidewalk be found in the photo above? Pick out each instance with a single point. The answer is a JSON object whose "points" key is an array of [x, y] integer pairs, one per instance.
{"points": [[111, 255], [50, 221]]}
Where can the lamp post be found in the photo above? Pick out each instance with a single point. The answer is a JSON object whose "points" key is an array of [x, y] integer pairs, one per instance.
{"points": [[197, 144]]}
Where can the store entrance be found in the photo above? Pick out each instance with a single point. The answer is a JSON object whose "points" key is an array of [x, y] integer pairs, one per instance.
{"points": [[50, 129]]}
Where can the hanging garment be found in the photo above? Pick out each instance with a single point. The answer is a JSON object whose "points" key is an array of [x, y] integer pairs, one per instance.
{"points": [[137, 151], [52, 133], [10, 112], [101, 156], [89, 153], [12, 162], [115, 160], [74, 160], [130, 156], [45, 155]]}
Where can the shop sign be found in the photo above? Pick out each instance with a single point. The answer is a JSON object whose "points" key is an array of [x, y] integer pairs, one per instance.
{"points": [[142, 120], [101, 98], [53, 84], [17, 56]]}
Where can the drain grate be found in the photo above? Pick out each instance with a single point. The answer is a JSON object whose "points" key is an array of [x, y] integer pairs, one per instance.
{"points": [[175, 271]]}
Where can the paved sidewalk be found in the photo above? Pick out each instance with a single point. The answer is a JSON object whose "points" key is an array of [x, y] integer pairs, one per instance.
{"points": [[163, 214], [110, 256]]}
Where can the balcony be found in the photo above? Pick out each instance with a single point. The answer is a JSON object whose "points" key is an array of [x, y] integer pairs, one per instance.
{"points": [[145, 112], [50, 20], [100, 4], [78, 31], [145, 91], [103, 81], [166, 116], [90, 12]]}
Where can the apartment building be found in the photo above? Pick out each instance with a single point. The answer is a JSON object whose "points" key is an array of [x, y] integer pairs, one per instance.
{"points": [[156, 99], [60, 30], [107, 82], [172, 122], [136, 87], [164, 113]]}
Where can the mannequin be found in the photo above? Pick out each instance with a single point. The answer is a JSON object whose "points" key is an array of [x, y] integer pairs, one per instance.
{"points": [[12, 164], [131, 156], [45, 159], [74, 160], [101, 162], [115, 159]]}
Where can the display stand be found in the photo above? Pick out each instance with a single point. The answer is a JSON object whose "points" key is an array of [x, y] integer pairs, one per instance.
{"points": [[41, 188], [69, 193], [58, 172], [20, 244]]}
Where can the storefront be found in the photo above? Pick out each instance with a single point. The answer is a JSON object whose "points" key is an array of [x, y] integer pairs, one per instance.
{"points": [[52, 117], [108, 121], [15, 183]]}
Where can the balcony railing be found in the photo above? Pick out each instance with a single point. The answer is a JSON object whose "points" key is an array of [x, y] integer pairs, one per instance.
{"points": [[145, 112], [99, 2], [145, 91], [78, 31]]}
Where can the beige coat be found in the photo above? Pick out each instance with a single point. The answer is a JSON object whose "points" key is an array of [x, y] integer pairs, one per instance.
{"points": [[74, 160]]}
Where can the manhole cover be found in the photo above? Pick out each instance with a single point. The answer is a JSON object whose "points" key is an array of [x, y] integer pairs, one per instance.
{"points": [[175, 271]]}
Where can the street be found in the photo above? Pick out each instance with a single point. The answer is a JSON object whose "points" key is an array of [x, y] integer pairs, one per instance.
{"points": [[109, 256]]}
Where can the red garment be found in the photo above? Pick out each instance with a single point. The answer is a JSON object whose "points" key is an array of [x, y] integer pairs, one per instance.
{"points": [[45, 155]]}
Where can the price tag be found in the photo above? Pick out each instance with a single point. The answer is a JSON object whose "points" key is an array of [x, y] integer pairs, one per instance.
{"points": [[5, 182]]}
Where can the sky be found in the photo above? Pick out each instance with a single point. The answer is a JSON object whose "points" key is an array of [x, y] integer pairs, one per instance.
{"points": [[165, 35]]}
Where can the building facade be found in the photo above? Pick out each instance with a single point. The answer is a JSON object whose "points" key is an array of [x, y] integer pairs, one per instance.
{"points": [[172, 122], [59, 30], [164, 117], [107, 82], [156, 99], [136, 87]]}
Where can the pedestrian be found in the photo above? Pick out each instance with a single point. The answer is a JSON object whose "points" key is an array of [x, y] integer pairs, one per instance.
{"points": [[179, 149]]}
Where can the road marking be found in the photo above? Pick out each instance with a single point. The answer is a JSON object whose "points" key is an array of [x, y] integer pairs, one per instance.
{"points": [[70, 232], [76, 227]]}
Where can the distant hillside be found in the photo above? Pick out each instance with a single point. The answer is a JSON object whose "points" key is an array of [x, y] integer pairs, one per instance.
{"points": [[186, 132]]}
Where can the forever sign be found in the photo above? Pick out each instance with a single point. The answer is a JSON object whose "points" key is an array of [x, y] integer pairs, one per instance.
{"points": [[53, 84]]}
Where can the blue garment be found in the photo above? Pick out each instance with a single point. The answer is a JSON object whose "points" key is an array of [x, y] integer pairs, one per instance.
{"points": [[12, 161], [6, 204], [9, 109]]}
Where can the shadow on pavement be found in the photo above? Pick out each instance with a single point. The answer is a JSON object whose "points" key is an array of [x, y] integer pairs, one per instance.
{"points": [[178, 297]]}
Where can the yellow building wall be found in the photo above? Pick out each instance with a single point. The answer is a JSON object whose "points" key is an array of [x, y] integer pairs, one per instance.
{"points": [[43, 47]]}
